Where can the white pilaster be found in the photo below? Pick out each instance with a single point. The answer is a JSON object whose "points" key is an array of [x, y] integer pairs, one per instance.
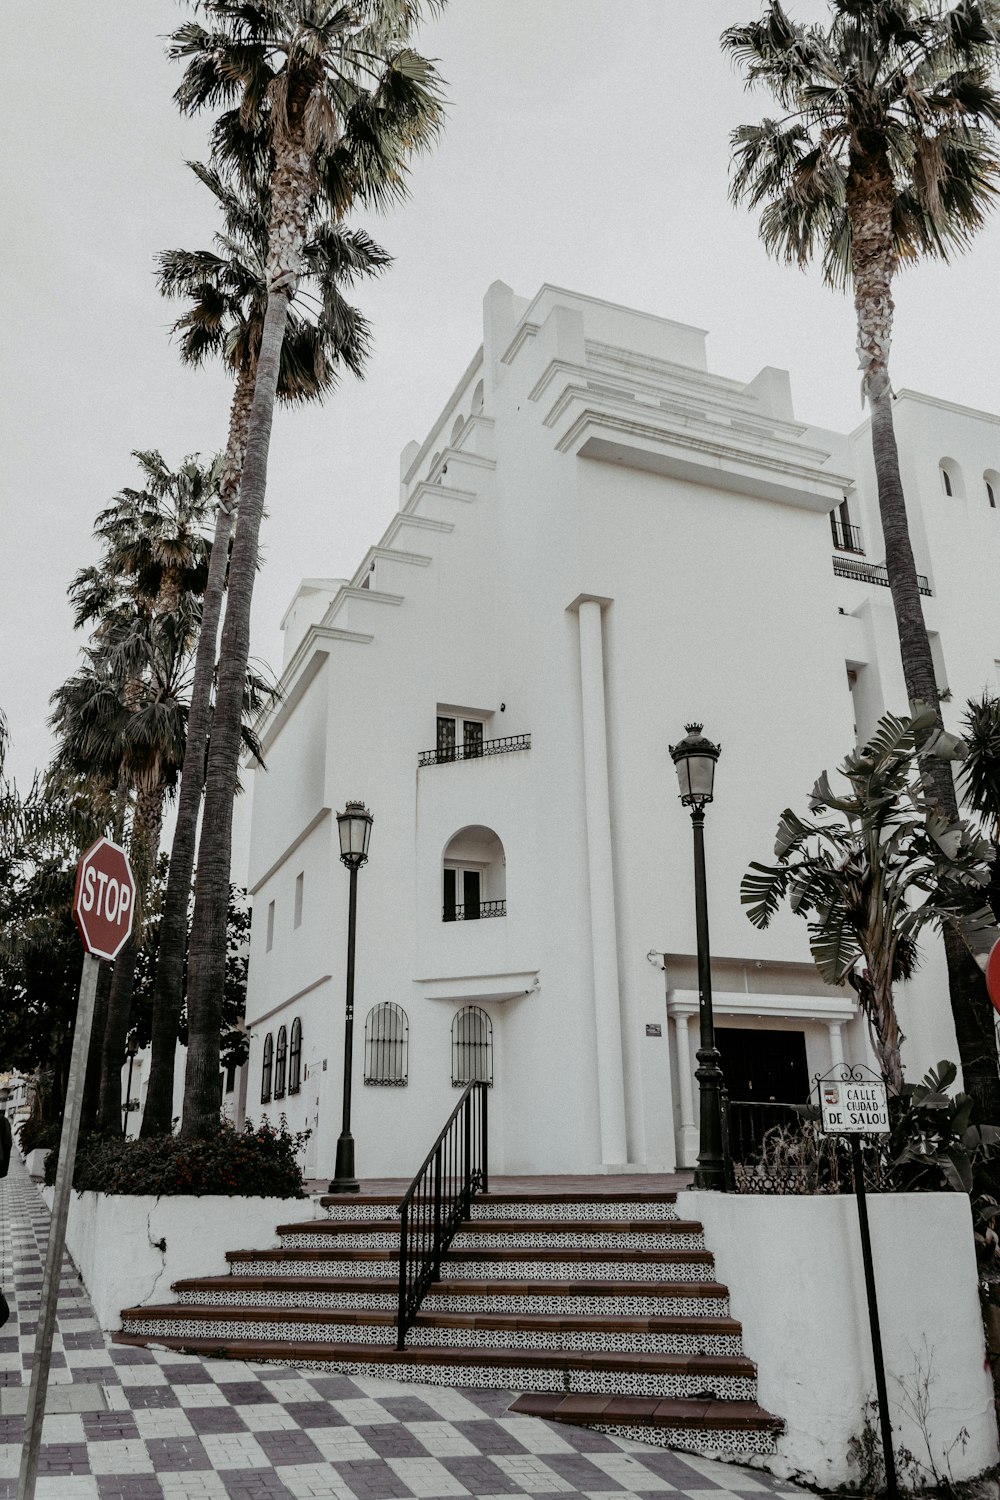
{"points": [[688, 1153], [836, 1044], [604, 935]]}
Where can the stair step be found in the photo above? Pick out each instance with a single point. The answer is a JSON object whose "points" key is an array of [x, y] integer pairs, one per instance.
{"points": [[571, 1254], [336, 1227], [676, 1422], [678, 1338], [658, 1234], [588, 1371], [587, 1298], [550, 1206]]}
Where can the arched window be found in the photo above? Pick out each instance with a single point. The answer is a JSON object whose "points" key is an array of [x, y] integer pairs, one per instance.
{"points": [[456, 430], [387, 1045], [265, 1073], [951, 478], [280, 1062], [477, 399], [474, 876], [471, 1047], [991, 481], [295, 1058]]}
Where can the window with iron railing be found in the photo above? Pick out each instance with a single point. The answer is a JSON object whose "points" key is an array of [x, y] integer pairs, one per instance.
{"points": [[387, 1041], [295, 1058], [267, 1067], [471, 1047]]}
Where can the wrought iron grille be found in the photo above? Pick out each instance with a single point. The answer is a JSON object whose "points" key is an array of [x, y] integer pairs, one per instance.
{"points": [[387, 1044], [471, 913], [439, 1199], [845, 536], [777, 1148], [474, 750], [866, 572], [295, 1058], [266, 1069], [471, 1047], [280, 1062]]}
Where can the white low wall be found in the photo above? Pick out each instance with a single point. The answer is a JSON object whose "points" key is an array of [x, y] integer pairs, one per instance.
{"points": [[796, 1279], [129, 1250]]}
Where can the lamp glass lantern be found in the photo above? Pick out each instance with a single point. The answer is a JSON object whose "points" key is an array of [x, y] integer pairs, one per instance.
{"points": [[695, 759], [354, 825]]}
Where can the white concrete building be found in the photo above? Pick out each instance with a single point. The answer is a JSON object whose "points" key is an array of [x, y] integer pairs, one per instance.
{"points": [[598, 542]]}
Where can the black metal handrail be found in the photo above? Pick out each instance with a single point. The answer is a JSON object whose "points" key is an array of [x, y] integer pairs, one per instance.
{"points": [[866, 572], [472, 911], [475, 750], [845, 536], [438, 1200]]}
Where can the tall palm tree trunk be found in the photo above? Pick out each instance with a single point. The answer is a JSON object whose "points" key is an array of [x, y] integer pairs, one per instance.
{"points": [[145, 844], [168, 989], [869, 198], [291, 191], [207, 956]]}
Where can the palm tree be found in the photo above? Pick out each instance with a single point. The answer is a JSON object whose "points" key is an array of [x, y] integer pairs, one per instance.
{"points": [[119, 717], [226, 292], [883, 155], [343, 102], [122, 718], [869, 871]]}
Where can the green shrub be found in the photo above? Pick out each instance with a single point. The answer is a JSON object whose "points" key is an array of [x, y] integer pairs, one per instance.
{"points": [[35, 1135], [256, 1162]]}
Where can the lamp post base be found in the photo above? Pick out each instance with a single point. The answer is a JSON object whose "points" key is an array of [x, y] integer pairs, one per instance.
{"points": [[710, 1171], [344, 1180]]}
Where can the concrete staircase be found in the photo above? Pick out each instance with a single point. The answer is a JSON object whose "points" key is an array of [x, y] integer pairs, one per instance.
{"points": [[602, 1309]]}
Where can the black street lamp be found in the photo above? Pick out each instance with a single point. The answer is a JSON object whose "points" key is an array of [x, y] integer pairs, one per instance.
{"points": [[695, 759], [354, 825]]}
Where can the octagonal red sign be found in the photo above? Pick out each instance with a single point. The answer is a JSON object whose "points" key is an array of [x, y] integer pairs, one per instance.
{"points": [[104, 899]]}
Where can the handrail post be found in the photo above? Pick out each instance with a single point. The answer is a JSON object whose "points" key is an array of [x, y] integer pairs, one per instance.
{"points": [[484, 1094], [403, 1260], [467, 1147], [437, 1213]]}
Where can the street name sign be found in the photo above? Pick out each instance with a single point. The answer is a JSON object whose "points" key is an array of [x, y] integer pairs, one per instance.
{"points": [[854, 1108]]}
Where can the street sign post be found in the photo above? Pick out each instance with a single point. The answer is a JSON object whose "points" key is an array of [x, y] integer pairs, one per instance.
{"points": [[103, 909], [854, 1102]]}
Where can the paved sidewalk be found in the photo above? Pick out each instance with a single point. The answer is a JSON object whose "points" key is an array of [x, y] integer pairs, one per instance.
{"points": [[139, 1424]]}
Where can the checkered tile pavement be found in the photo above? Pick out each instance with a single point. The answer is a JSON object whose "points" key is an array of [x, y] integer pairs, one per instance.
{"points": [[140, 1424]]}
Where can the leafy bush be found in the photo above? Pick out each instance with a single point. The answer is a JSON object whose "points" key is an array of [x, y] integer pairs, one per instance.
{"points": [[34, 1134], [256, 1162]]}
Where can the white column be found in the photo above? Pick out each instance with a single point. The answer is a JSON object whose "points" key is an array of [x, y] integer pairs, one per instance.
{"points": [[603, 930], [689, 1130], [836, 1044]]}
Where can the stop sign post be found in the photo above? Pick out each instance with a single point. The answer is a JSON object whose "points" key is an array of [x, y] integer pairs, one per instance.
{"points": [[104, 910]]}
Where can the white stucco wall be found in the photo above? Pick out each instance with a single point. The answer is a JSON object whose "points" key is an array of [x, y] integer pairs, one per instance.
{"points": [[129, 1250], [796, 1279]]}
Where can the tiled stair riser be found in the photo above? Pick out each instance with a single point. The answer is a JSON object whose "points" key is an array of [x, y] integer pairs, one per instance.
{"points": [[488, 1240], [625, 1307], [499, 1378], [455, 1338], [612, 1209], [499, 1270], [710, 1442]]}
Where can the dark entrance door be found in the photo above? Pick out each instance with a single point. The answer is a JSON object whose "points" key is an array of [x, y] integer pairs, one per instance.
{"points": [[764, 1070]]}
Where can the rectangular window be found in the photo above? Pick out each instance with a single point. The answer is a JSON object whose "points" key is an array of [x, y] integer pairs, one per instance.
{"points": [[299, 883], [462, 894], [472, 738], [445, 739], [270, 926]]}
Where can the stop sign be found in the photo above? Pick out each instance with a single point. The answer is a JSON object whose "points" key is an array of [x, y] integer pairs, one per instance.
{"points": [[993, 975], [104, 899]]}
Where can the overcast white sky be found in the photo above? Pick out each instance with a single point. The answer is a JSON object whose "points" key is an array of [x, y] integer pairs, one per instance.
{"points": [[586, 145]]}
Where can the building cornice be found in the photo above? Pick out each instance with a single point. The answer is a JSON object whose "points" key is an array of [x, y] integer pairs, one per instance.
{"points": [[289, 849]]}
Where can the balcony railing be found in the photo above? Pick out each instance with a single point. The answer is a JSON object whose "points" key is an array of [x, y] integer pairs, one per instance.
{"points": [[472, 912], [865, 572], [475, 751], [846, 536]]}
